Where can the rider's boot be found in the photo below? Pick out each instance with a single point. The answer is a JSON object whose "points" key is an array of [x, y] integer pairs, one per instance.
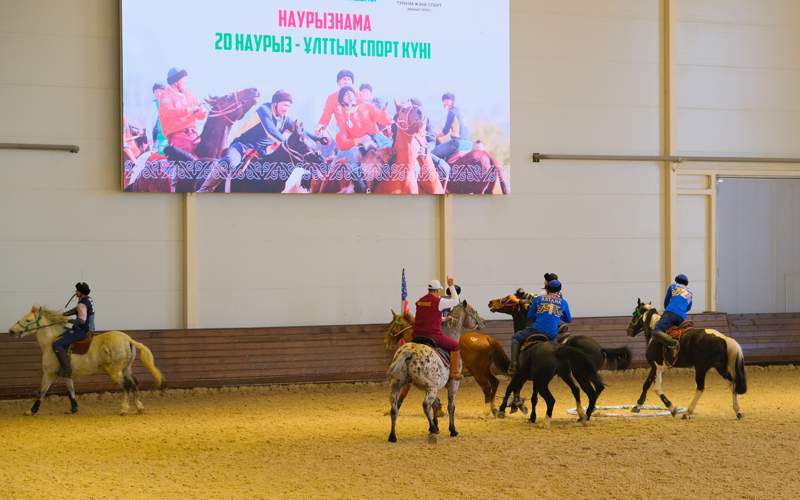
{"points": [[455, 365], [670, 345], [512, 368], [65, 369]]}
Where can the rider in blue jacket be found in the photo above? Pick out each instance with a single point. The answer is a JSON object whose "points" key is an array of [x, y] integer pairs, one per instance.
{"points": [[546, 312], [677, 303]]}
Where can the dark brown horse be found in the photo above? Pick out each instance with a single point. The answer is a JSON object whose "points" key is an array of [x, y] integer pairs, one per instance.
{"points": [[476, 172]]}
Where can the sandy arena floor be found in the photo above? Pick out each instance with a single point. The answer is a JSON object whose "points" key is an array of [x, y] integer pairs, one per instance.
{"points": [[330, 441]]}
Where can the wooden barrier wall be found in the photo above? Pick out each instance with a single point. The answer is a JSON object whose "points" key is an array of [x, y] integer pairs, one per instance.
{"points": [[246, 356]]}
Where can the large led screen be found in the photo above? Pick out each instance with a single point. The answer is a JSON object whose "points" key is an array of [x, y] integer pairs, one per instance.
{"points": [[316, 96]]}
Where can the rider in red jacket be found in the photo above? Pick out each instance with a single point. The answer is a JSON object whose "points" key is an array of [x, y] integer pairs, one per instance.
{"points": [[428, 321]]}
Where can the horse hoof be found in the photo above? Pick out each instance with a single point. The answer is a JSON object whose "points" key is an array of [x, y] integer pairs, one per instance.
{"points": [[739, 416], [392, 438], [687, 416], [501, 414], [636, 409], [453, 434], [29, 413], [673, 411], [523, 409]]}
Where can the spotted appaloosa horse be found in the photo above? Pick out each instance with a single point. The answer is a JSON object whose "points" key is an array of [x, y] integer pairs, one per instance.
{"points": [[419, 365], [701, 348]]}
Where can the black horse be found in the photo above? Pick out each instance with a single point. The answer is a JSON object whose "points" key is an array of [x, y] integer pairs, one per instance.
{"points": [[701, 348], [542, 361], [287, 168], [516, 305]]}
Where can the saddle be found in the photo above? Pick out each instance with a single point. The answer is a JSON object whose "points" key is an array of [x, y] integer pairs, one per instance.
{"points": [[676, 332], [82, 346], [533, 340], [443, 353]]}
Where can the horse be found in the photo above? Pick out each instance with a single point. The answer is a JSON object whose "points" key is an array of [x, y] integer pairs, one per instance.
{"points": [[516, 305], [541, 360], [479, 352], [701, 348], [113, 352], [184, 166], [475, 172], [411, 153]]}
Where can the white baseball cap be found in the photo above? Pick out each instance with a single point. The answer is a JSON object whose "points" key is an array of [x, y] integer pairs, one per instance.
{"points": [[434, 285]]}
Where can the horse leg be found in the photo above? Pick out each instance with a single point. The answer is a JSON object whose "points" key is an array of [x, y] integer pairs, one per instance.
{"points": [[544, 390], [699, 379], [660, 390], [566, 376], [486, 386], [452, 389], [73, 401], [427, 407], [47, 381], [495, 383], [501, 412], [645, 387], [591, 393], [116, 375], [402, 396], [394, 400], [132, 383], [534, 400]]}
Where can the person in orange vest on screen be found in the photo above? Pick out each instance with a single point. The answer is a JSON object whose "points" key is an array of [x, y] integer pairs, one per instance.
{"points": [[344, 78], [428, 321], [179, 111]]}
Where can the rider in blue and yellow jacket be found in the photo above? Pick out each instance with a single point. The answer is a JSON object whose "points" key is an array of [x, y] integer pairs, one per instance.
{"points": [[677, 303]]}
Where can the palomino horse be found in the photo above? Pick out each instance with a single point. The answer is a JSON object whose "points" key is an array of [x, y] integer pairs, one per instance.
{"points": [[542, 361], [476, 172], [112, 352], [702, 348], [410, 153]]}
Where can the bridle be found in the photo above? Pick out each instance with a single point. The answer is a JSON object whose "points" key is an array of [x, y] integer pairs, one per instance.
{"points": [[224, 112], [39, 326]]}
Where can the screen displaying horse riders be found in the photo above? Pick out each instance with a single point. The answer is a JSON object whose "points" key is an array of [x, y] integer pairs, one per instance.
{"points": [[316, 96]]}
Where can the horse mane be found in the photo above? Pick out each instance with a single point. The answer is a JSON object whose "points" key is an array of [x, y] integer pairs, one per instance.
{"points": [[51, 315], [408, 317]]}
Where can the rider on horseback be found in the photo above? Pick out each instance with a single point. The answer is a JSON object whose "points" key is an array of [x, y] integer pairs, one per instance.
{"points": [[546, 311], [453, 132], [428, 321], [179, 111], [81, 326], [263, 138], [677, 303]]}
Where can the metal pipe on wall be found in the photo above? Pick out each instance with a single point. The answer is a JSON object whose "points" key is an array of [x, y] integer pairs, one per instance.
{"points": [[538, 157], [70, 148]]}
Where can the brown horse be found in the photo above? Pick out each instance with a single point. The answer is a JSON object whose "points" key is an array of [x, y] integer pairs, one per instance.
{"points": [[411, 152], [479, 352], [476, 172]]}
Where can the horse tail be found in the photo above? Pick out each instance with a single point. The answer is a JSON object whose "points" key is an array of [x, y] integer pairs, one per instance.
{"points": [[621, 355], [740, 377], [149, 362], [398, 368], [499, 356], [581, 366]]}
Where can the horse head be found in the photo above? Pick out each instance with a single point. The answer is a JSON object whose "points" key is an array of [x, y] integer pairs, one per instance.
{"points": [[38, 319], [637, 322], [232, 106], [510, 304], [401, 327], [410, 118], [473, 320]]}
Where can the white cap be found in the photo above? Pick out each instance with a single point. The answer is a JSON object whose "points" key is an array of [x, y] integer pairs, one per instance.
{"points": [[434, 285]]}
